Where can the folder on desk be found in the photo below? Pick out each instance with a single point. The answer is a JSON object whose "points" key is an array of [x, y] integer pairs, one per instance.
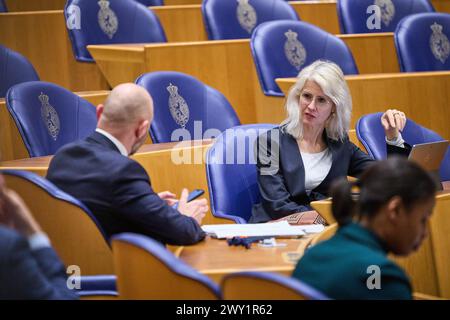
{"points": [[280, 229]]}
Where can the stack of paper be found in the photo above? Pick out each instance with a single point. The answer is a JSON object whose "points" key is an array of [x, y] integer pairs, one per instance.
{"points": [[275, 229]]}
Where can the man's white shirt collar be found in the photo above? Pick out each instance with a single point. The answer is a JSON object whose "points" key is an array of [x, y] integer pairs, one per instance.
{"points": [[116, 142]]}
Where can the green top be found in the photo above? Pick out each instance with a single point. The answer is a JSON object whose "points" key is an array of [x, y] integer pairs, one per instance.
{"points": [[343, 267]]}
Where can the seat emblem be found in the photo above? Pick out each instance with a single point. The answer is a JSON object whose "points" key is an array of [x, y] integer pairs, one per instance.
{"points": [[107, 19], [294, 50], [387, 10], [178, 107], [246, 15], [439, 43], [49, 116]]}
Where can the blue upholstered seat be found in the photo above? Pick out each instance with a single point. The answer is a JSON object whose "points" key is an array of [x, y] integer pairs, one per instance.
{"points": [[282, 48], [182, 101], [237, 19], [231, 172], [423, 42], [3, 7], [357, 16], [108, 22], [371, 134], [49, 116], [14, 69], [149, 3]]}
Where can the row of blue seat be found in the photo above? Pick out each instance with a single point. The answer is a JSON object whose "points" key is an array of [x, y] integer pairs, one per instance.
{"points": [[223, 19], [282, 48]]}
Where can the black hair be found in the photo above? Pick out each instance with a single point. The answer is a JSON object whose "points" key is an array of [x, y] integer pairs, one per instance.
{"points": [[377, 185]]}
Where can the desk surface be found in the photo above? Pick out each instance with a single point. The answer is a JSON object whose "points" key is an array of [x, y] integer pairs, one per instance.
{"points": [[215, 258]]}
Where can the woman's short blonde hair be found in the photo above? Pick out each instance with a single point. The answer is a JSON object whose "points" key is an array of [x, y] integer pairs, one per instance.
{"points": [[330, 78]]}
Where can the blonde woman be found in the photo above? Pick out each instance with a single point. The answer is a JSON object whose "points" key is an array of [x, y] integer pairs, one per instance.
{"points": [[297, 161]]}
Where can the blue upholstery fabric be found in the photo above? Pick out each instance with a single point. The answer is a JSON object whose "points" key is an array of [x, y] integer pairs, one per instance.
{"points": [[222, 22], [353, 16], [423, 42], [149, 3], [98, 285], [3, 7], [203, 103], [157, 250], [231, 172], [271, 41], [371, 134], [49, 116], [135, 23], [303, 289], [14, 69]]}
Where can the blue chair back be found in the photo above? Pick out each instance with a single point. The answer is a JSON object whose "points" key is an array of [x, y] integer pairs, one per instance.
{"points": [[147, 270], [3, 7], [108, 22], [149, 3], [254, 285], [236, 19], [231, 172], [183, 102], [14, 69], [282, 48], [49, 116], [371, 134], [354, 16], [423, 42]]}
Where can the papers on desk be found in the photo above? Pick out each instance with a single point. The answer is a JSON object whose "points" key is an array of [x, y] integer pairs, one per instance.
{"points": [[280, 229]]}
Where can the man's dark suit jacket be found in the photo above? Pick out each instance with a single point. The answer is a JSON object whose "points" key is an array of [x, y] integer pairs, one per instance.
{"points": [[30, 274], [283, 192], [118, 192]]}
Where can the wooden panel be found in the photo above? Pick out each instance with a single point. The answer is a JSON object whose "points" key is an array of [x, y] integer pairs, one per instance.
{"points": [[182, 23], [225, 65], [42, 38], [320, 13], [423, 96], [373, 53], [441, 5], [11, 143], [34, 5], [440, 236], [421, 268]]}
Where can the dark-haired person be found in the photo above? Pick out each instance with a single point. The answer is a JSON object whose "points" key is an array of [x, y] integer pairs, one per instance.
{"points": [[298, 161], [395, 202], [29, 267]]}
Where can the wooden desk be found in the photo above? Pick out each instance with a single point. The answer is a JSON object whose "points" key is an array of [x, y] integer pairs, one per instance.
{"points": [[423, 96], [227, 66], [11, 143], [216, 259]]}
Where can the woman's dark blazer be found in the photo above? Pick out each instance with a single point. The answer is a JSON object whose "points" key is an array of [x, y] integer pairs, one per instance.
{"points": [[281, 174]]}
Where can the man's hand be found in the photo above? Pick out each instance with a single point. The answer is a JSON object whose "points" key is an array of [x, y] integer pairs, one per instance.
{"points": [[14, 213], [195, 209], [168, 197]]}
